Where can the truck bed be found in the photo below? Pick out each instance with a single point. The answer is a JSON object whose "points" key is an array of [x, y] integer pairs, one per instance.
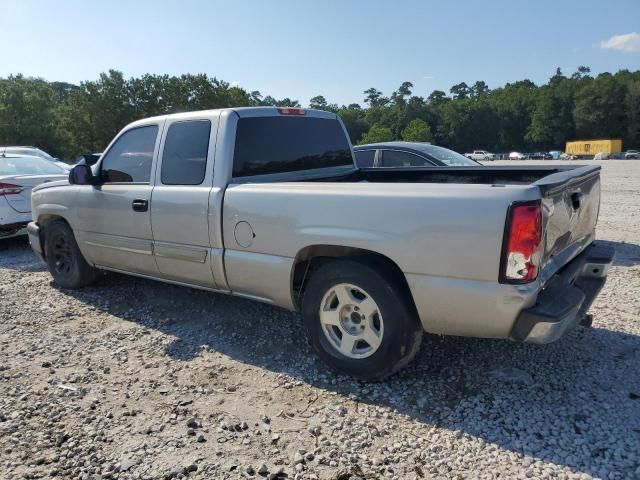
{"points": [[545, 177]]}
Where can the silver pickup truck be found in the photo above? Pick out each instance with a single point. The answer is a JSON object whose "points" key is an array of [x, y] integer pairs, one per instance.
{"points": [[266, 203]]}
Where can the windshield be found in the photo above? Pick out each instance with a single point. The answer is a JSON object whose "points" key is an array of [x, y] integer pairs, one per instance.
{"points": [[29, 166], [448, 157]]}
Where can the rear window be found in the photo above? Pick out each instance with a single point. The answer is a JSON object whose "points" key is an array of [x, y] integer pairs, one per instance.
{"points": [[29, 166], [286, 144], [364, 158]]}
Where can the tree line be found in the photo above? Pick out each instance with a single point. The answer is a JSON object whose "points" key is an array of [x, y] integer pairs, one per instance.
{"points": [[66, 119]]}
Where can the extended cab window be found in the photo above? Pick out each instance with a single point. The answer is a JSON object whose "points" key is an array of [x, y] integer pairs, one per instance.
{"points": [[184, 160], [286, 144], [129, 159]]}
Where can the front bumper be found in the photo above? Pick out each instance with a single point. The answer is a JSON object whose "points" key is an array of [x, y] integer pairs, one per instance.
{"points": [[566, 298], [33, 231]]}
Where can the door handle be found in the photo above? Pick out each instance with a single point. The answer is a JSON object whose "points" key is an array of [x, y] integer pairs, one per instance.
{"points": [[140, 205]]}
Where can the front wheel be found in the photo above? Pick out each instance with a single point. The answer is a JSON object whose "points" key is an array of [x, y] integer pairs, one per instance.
{"points": [[66, 264], [360, 321]]}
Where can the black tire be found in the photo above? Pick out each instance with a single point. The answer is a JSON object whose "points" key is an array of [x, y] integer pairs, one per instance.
{"points": [[66, 264], [402, 333]]}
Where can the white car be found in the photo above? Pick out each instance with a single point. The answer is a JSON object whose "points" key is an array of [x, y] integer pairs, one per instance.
{"points": [[18, 175], [516, 156], [33, 152]]}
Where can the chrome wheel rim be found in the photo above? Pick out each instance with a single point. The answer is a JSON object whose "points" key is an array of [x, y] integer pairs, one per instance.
{"points": [[351, 321]]}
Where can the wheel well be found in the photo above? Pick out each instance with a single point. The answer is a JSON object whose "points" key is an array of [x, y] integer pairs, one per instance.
{"points": [[309, 259]]}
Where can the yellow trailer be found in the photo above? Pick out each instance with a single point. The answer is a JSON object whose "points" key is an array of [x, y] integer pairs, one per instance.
{"points": [[591, 147]]}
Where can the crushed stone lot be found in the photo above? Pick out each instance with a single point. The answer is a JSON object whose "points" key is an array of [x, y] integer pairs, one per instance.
{"points": [[132, 379]]}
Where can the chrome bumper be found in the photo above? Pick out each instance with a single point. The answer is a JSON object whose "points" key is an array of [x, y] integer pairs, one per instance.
{"points": [[566, 299]]}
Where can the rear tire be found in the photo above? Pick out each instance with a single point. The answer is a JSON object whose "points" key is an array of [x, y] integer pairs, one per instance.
{"points": [[66, 263], [360, 321]]}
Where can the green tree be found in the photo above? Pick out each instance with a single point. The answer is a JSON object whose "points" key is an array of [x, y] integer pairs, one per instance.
{"points": [[376, 133], [417, 131]]}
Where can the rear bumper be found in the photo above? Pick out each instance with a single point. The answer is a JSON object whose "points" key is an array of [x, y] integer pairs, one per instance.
{"points": [[33, 230], [13, 230], [567, 297]]}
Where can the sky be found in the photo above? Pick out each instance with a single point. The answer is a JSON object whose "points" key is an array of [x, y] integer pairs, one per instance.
{"points": [[335, 48]]}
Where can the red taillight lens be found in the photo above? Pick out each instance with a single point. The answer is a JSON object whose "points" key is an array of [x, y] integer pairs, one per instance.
{"points": [[522, 248], [9, 189], [291, 111]]}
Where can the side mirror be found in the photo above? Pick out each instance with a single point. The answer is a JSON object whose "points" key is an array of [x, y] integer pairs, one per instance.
{"points": [[82, 175]]}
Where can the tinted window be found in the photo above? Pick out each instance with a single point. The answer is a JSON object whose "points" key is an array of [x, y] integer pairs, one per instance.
{"points": [[185, 153], [286, 144], [394, 158], [129, 159], [364, 158]]}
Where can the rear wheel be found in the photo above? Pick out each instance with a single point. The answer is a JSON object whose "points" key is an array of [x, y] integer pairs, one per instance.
{"points": [[66, 264], [360, 321]]}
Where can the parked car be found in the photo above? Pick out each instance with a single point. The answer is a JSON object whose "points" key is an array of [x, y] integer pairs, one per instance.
{"points": [[517, 156], [540, 156], [601, 156], [408, 154], [266, 203], [632, 154], [34, 152], [18, 175], [478, 155], [555, 154]]}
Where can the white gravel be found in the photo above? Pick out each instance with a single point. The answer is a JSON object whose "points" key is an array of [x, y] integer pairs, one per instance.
{"points": [[135, 379]]}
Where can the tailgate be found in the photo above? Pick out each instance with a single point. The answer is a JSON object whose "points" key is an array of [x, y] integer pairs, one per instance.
{"points": [[571, 202]]}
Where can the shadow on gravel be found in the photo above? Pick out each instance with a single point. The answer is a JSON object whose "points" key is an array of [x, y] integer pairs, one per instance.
{"points": [[627, 254], [561, 403], [16, 254]]}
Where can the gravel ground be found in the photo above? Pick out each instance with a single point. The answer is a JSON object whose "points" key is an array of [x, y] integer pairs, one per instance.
{"points": [[135, 379]]}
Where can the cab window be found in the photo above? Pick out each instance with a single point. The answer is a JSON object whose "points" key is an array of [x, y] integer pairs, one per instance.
{"points": [[184, 160], [129, 159]]}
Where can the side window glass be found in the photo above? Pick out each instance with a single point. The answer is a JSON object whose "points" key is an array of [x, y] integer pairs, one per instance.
{"points": [[129, 159], [364, 158], [184, 160], [394, 158]]}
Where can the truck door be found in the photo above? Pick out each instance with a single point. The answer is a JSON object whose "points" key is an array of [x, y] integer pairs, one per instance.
{"points": [[180, 201], [113, 219]]}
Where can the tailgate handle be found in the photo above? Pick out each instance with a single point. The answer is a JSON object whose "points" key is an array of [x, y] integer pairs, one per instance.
{"points": [[576, 200]]}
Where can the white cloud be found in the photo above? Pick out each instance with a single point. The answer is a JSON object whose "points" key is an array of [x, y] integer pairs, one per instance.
{"points": [[428, 77], [235, 83], [628, 42]]}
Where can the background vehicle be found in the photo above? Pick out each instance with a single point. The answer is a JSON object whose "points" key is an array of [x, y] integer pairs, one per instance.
{"points": [[632, 154], [266, 203], [18, 175], [408, 154], [588, 148], [33, 152], [541, 156], [478, 155], [555, 154], [517, 156]]}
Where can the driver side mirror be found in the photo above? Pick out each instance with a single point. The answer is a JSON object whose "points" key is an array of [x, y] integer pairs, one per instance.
{"points": [[82, 175]]}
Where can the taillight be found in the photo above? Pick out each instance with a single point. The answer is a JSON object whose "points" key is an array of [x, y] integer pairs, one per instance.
{"points": [[522, 247], [291, 111], [9, 189]]}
